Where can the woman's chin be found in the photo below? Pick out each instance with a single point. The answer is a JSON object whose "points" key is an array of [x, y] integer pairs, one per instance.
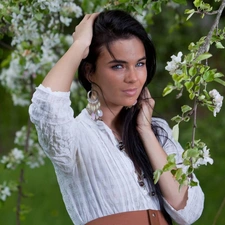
{"points": [[132, 104]]}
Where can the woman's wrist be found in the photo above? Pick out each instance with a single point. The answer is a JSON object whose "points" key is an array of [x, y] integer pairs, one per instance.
{"points": [[146, 132]]}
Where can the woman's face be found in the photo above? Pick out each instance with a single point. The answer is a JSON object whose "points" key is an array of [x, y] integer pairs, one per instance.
{"points": [[121, 78]]}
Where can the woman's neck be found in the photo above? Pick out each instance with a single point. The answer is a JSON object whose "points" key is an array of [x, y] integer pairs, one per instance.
{"points": [[112, 118]]}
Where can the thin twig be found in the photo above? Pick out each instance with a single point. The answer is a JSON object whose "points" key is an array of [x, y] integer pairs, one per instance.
{"points": [[194, 122], [19, 197], [6, 45], [219, 212], [207, 13], [205, 46], [21, 179]]}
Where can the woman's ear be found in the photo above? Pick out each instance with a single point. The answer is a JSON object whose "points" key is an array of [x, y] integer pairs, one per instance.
{"points": [[88, 72]]}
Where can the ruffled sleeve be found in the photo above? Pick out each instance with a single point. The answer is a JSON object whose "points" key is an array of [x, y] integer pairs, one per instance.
{"points": [[195, 203], [53, 117]]}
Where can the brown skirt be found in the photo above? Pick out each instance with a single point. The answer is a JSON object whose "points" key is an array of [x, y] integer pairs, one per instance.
{"points": [[143, 217]]}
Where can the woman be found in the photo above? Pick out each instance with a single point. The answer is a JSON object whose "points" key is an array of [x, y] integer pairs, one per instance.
{"points": [[105, 157]]}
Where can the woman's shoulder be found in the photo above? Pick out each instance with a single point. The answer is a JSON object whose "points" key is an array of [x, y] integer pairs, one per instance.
{"points": [[156, 121]]}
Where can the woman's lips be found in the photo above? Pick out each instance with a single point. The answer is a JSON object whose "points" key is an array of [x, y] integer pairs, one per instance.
{"points": [[130, 92]]}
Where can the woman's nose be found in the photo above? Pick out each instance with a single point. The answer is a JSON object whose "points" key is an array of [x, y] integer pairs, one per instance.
{"points": [[131, 76]]}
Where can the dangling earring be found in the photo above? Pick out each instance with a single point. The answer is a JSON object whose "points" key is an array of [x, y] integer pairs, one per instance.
{"points": [[93, 106]]}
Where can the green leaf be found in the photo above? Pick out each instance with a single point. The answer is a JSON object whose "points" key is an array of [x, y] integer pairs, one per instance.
{"points": [[219, 45], [218, 75], [192, 152], [185, 108], [197, 3], [144, 3], [189, 85], [202, 70], [208, 76], [210, 108], [201, 97], [193, 183], [192, 70], [178, 173], [203, 57], [181, 2], [138, 9], [197, 79], [190, 15], [177, 119], [197, 88], [189, 11], [218, 80], [38, 16], [175, 132], [186, 118], [171, 158], [169, 166], [168, 89], [190, 57], [178, 77], [156, 7], [157, 175]]}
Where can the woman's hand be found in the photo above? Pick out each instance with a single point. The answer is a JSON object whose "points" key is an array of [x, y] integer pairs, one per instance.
{"points": [[84, 32], [146, 109]]}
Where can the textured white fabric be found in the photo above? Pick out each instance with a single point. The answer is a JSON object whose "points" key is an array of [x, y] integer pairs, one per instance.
{"points": [[95, 178]]}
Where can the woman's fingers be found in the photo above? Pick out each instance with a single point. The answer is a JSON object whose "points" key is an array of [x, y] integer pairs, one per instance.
{"points": [[84, 32]]}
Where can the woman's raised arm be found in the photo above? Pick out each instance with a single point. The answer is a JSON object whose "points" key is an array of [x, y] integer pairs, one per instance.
{"points": [[61, 75]]}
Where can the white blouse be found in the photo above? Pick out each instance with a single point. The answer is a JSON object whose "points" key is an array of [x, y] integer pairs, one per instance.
{"points": [[96, 179]]}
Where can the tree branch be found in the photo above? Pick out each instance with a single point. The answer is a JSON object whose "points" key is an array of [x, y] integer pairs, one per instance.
{"points": [[194, 122], [219, 212], [204, 48], [26, 149], [6, 45]]}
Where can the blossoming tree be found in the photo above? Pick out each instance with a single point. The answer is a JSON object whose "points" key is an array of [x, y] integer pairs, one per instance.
{"points": [[38, 39]]}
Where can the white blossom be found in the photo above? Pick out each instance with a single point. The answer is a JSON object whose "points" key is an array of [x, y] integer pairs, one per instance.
{"points": [[4, 159], [24, 26], [14, 158], [174, 64], [69, 39], [71, 7], [19, 100], [9, 76], [141, 18], [17, 154], [65, 20], [74, 86], [52, 6], [183, 167], [204, 158], [36, 159], [1, 6], [4, 193], [217, 101]]}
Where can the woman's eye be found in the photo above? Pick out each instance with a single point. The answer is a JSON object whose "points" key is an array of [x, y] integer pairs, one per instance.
{"points": [[140, 64], [118, 66]]}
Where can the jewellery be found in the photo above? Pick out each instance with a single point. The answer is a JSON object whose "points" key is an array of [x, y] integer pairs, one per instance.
{"points": [[140, 178], [93, 106], [141, 175], [120, 144]]}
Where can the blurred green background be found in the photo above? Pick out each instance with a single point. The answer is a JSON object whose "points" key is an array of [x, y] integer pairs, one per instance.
{"points": [[45, 199]]}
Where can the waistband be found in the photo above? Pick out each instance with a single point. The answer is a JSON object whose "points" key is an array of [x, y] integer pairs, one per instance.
{"points": [[141, 217]]}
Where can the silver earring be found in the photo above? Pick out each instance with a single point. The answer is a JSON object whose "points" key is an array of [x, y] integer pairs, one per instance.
{"points": [[93, 106]]}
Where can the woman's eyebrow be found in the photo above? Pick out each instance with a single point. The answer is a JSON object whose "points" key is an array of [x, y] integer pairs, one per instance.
{"points": [[124, 62]]}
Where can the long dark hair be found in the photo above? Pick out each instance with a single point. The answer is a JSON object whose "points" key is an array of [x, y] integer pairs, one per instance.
{"points": [[108, 27]]}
